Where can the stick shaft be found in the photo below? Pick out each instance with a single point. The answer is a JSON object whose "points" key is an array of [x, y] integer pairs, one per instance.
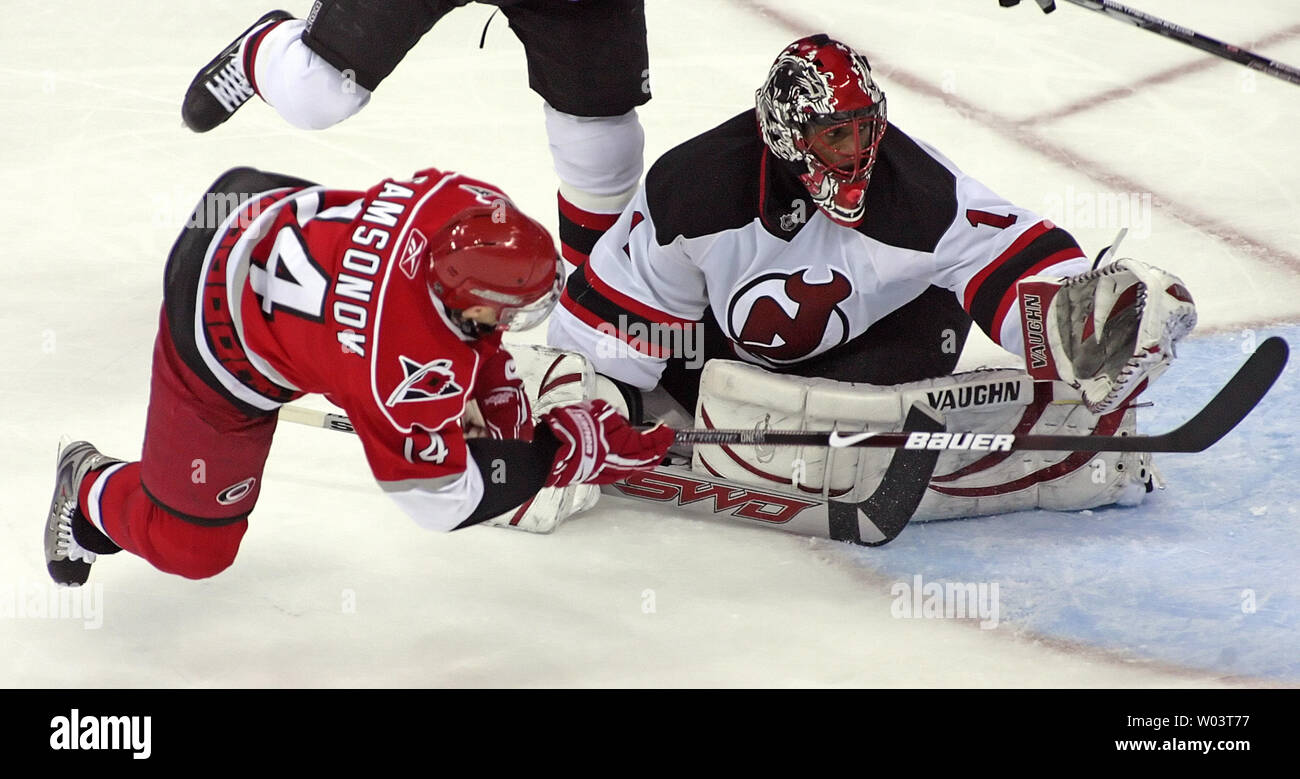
{"points": [[1234, 401], [1192, 38]]}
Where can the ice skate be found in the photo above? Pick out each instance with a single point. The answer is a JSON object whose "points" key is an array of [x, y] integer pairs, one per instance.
{"points": [[67, 560], [222, 86]]}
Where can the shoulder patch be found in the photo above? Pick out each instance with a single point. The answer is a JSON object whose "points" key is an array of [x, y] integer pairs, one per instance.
{"points": [[427, 381], [707, 184], [912, 198]]}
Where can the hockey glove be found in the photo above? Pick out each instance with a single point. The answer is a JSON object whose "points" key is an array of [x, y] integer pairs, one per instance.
{"points": [[1105, 332], [502, 403], [598, 446]]}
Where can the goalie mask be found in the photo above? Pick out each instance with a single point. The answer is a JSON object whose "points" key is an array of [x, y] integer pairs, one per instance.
{"points": [[821, 110], [499, 259]]}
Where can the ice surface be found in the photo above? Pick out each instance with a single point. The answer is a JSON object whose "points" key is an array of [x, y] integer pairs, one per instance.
{"points": [[334, 587]]}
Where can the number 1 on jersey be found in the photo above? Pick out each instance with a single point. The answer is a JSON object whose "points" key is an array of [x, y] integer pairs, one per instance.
{"points": [[1000, 221]]}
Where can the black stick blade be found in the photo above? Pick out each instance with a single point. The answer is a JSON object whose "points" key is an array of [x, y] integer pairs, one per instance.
{"points": [[1235, 401], [882, 516]]}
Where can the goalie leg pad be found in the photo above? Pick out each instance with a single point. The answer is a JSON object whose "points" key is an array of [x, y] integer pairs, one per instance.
{"points": [[966, 483]]}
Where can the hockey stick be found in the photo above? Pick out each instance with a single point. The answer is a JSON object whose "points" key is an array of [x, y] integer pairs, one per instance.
{"points": [[1183, 35], [1225, 411], [872, 522], [314, 418]]}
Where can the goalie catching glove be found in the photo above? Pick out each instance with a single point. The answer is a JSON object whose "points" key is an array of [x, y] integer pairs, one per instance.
{"points": [[1106, 332], [598, 446]]}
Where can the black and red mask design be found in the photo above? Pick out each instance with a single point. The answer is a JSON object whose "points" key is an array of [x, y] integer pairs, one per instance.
{"points": [[821, 109]]}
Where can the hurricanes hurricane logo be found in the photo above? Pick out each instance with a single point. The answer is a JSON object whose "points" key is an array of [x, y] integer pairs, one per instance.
{"points": [[783, 318], [236, 492], [428, 381]]}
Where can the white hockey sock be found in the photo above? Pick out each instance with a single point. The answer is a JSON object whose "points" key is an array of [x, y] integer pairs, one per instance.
{"points": [[305, 89]]}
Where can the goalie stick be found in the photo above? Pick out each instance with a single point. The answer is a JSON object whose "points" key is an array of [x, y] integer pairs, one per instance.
{"points": [[1224, 411], [872, 522], [886, 512], [1233, 402], [1181, 34]]}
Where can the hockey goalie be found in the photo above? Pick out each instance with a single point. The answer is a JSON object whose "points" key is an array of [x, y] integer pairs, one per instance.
{"points": [[808, 265]]}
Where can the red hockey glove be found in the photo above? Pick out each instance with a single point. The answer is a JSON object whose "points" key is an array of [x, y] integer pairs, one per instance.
{"points": [[598, 446], [501, 400]]}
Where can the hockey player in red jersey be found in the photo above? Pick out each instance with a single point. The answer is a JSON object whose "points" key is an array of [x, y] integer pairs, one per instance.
{"points": [[587, 59], [809, 246], [390, 303]]}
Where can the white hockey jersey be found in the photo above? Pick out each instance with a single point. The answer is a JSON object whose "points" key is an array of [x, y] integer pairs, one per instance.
{"points": [[721, 225]]}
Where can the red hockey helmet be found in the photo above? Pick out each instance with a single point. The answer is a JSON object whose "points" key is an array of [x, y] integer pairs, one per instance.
{"points": [[496, 257], [820, 109]]}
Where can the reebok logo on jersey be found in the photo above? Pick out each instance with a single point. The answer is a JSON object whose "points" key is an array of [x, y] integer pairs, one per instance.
{"points": [[413, 253], [428, 381]]}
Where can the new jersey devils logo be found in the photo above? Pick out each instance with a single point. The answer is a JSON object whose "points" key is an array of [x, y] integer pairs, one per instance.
{"points": [[783, 318]]}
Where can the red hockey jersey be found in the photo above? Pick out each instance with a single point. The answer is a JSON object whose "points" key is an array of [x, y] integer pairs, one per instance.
{"points": [[326, 292]]}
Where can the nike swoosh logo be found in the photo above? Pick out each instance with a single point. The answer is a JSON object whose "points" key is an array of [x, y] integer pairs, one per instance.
{"points": [[839, 441]]}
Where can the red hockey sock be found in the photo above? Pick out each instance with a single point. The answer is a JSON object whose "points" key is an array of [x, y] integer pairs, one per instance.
{"points": [[580, 229]]}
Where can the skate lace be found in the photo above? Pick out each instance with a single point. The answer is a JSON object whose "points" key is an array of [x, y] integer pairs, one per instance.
{"points": [[67, 544], [229, 86]]}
